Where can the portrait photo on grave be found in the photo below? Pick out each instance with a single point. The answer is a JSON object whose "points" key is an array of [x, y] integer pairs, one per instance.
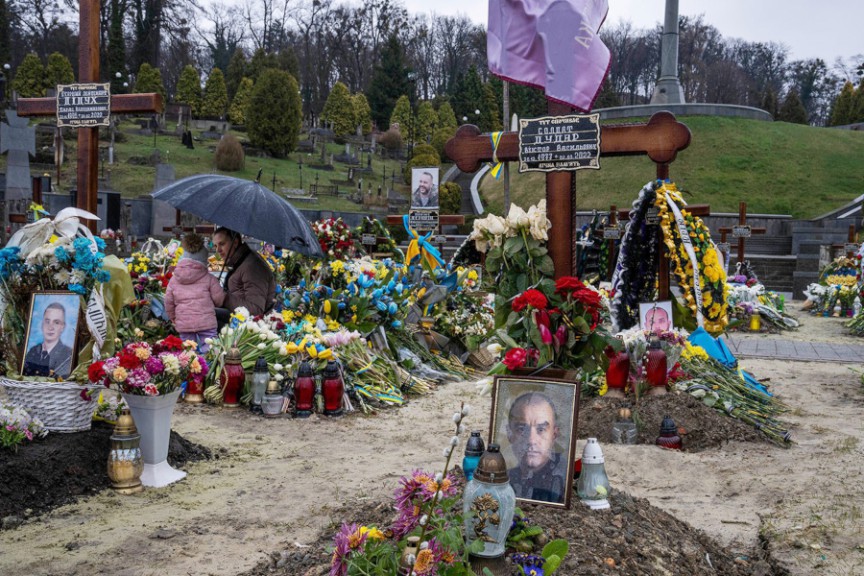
{"points": [[534, 422], [50, 348], [424, 187], [656, 316]]}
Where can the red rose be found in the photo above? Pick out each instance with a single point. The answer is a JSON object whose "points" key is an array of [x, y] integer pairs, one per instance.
{"points": [[515, 358], [588, 297], [535, 299], [567, 284], [519, 303], [96, 372]]}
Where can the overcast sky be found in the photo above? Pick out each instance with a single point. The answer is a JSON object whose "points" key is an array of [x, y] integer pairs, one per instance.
{"points": [[825, 29]]}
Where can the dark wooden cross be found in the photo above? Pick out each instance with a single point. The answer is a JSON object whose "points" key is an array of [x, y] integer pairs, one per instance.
{"points": [[88, 138], [851, 246], [744, 231], [660, 139]]}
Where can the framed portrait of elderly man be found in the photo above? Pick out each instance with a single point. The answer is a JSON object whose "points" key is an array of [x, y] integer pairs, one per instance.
{"points": [[52, 331], [534, 422]]}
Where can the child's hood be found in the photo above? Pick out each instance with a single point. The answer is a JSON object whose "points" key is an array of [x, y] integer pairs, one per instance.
{"points": [[189, 271]]}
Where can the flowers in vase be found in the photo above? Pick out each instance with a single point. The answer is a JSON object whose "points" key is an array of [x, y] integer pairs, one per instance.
{"points": [[334, 236], [146, 370]]}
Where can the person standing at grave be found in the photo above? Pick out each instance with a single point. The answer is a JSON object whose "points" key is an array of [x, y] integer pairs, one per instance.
{"points": [[248, 280], [193, 294]]}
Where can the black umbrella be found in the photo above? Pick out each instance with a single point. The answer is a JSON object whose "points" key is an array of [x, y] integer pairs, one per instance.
{"points": [[244, 206]]}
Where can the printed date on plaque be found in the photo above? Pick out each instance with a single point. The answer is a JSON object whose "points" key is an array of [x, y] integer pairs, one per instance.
{"points": [[559, 143], [83, 105], [742, 231]]}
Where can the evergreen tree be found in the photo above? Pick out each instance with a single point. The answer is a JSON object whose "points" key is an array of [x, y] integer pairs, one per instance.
{"points": [[274, 113], [857, 112], [286, 60], [530, 102], [58, 71], [339, 110], [769, 102], [29, 79], [389, 82], [362, 112], [215, 101], [468, 96], [149, 79], [792, 109], [189, 89], [446, 116], [236, 72], [841, 111], [237, 112], [260, 61], [426, 121], [606, 99], [490, 116], [402, 116], [116, 47]]}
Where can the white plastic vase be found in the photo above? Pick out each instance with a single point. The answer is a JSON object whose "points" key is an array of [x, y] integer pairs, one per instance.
{"points": [[152, 416]]}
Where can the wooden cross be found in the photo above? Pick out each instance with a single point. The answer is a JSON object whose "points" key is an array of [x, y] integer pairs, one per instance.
{"points": [[88, 138], [744, 231], [851, 247], [661, 139]]}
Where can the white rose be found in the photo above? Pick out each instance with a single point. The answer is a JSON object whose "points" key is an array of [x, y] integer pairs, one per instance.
{"points": [[538, 222], [516, 220]]}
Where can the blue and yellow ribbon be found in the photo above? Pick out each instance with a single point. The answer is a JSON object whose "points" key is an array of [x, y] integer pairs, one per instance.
{"points": [[420, 246], [497, 166]]}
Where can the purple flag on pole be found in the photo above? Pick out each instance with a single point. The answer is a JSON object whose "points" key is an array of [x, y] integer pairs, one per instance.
{"points": [[550, 45]]}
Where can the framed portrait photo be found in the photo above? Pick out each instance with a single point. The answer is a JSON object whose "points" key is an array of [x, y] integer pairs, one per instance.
{"points": [[656, 316], [424, 187], [51, 345], [534, 422]]}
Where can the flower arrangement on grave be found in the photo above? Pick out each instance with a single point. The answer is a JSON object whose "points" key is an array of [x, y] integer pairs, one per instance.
{"points": [[18, 426], [744, 300], [47, 255], [693, 258], [113, 239], [335, 237], [145, 370], [725, 389], [635, 276], [384, 240], [636, 341]]}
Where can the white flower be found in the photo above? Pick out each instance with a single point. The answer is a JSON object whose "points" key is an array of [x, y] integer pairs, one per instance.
{"points": [[424, 519], [261, 346], [278, 367], [438, 477], [208, 341], [278, 377], [516, 220], [466, 410], [484, 387], [447, 451], [538, 222], [457, 417], [494, 348], [454, 441]]}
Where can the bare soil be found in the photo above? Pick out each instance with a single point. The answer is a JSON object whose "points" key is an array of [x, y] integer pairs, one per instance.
{"points": [[273, 493]]}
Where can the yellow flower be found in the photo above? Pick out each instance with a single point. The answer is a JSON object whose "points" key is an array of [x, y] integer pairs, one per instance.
{"points": [[424, 561], [714, 312], [287, 315], [604, 388], [707, 300], [142, 353], [119, 374], [372, 533], [712, 274], [195, 366], [292, 348]]}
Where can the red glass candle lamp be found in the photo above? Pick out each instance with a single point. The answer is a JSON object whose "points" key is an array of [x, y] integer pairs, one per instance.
{"points": [[194, 391], [669, 437], [332, 388], [617, 373], [232, 379], [304, 391], [655, 367]]}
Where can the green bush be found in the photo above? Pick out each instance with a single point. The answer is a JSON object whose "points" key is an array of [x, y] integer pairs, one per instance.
{"points": [[229, 154], [426, 150], [391, 139], [274, 113], [215, 99], [418, 161], [450, 197], [440, 138]]}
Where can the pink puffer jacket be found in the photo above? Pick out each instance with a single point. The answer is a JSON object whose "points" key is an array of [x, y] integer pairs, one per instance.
{"points": [[192, 296]]}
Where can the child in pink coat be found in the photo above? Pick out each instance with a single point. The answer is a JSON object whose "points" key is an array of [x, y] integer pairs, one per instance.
{"points": [[193, 294]]}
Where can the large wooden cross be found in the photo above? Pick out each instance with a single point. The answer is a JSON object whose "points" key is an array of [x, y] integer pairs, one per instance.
{"points": [[741, 231], [660, 139], [88, 138]]}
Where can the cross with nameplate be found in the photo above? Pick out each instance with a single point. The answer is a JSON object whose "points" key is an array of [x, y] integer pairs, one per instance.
{"points": [[741, 231], [88, 137], [660, 139]]}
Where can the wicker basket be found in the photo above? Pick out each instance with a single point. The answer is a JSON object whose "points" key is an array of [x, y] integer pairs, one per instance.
{"points": [[57, 404], [481, 358]]}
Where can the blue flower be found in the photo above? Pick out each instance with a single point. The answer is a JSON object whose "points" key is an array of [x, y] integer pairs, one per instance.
{"points": [[396, 324], [381, 306], [61, 254], [392, 308], [531, 564], [100, 244], [103, 276], [78, 289]]}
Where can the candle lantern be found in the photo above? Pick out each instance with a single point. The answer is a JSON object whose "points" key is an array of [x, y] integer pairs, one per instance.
{"points": [[125, 463], [488, 504], [624, 429], [304, 391], [332, 388], [593, 485], [474, 449], [669, 437], [232, 378], [272, 401], [260, 378], [655, 367], [617, 373], [755, 322]]}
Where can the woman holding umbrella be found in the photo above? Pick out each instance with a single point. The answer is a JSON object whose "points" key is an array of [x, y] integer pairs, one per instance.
{"points": [[249, 282]]}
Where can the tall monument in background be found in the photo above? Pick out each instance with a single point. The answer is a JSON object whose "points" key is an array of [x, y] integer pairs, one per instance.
{"points": [[668, 88]]}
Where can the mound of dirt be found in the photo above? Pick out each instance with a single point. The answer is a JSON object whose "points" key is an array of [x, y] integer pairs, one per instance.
{"points": [[60, 468]]}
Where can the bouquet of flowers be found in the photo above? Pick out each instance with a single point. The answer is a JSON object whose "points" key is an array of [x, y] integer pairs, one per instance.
{"points": [[16, 426], [146, 370], [334, 236], [468, 318]]}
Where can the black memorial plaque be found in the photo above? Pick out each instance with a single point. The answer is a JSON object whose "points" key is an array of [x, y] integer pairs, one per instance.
{"points": [[559, 143], [423, 220], [83, 105]]}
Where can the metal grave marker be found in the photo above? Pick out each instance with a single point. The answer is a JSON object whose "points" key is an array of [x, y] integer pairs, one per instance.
{"points": [[423, 220], [83, 105], [741, 231], [559, 143]]}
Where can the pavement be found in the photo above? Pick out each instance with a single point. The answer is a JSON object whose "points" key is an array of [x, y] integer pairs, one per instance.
{"points": [[778, 349]]}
